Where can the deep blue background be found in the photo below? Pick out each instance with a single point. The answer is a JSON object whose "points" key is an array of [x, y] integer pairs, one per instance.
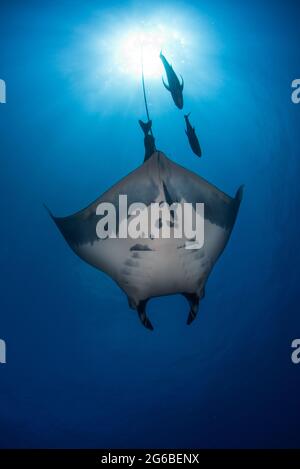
{"points": [[82, 371]]}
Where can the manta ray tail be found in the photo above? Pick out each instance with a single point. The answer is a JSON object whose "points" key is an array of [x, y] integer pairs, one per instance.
{"points": [[193, 300], [141, 309]]}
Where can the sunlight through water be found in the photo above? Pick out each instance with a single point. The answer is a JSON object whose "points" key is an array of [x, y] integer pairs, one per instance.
{"points": [[104, 59]]}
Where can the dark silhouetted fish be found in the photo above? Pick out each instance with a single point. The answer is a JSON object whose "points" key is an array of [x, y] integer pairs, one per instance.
{"points": [[173, 85], [146, 126], [149, 140], [193, 139]]}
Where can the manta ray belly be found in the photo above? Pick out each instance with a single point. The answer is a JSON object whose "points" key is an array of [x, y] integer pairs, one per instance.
{"points": [[154, 267]]}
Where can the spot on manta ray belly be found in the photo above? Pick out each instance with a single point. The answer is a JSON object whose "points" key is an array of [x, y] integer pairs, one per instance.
{"points": [[146, 268]]}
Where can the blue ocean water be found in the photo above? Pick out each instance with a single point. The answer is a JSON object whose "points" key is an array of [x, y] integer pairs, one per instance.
{"points": [[81, 370]]}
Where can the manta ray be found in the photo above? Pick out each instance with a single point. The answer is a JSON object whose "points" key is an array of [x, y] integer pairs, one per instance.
{"points": [[151, 267]]}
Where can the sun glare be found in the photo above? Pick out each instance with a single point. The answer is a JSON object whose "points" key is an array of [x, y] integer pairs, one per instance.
{"points": [[104, 62], [145, 44]]}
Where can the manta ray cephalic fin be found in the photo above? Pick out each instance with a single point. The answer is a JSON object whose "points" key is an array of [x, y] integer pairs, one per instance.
{"points": [[193, 300], [141, 309]]}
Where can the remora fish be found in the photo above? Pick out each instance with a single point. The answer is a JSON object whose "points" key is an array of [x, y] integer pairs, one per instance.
{"points": [[173, 85], [193, 139]]}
